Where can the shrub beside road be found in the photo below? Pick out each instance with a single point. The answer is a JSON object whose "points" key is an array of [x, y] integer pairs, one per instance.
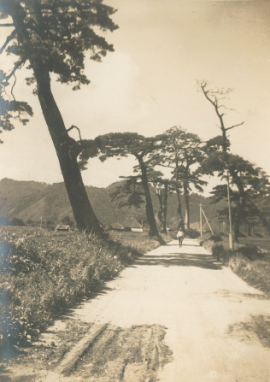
{"points": [[250, 260], [44, 274]]}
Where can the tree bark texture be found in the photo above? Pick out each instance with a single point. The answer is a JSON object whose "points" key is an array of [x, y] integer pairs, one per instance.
{"points": [[163, 198], [187, 212], [153, 232], [179, 204], [67, 150], [165, 207]]}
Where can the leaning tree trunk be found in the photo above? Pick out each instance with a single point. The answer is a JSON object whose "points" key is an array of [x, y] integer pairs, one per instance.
{"points": [[67, 150], [153, 232]]}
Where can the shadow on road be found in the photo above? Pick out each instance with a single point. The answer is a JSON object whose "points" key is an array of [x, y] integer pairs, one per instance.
{"points": [[180, 259]]}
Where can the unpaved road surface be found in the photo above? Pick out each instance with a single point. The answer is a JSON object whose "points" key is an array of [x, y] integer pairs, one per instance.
{"points": [[174, 316]]}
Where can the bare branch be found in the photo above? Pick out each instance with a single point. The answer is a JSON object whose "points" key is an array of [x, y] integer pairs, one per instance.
{"points": [[4, 89], [232, 127], [206, 93], [16, 66], [75, 127], [163, 165], [227, 108], [7, 25], [9, 38], [214, 103], [13, 87]]}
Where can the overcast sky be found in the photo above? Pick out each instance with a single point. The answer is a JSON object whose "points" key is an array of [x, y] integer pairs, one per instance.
{"points": [[149, 85]]}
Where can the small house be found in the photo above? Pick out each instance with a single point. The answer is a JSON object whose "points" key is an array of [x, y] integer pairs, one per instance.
{"points": [[117, 227], [131, 224], [62, 228]]}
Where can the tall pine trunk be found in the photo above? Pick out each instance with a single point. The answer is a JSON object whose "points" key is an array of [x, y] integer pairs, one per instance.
{"points": [[179, 204], [67, 150], [163, 200], [153, 232], [165, 207], [179, 207], [160, 196], [187, 212]]}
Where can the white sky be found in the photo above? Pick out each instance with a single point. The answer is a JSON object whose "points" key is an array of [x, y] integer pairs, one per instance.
{"points": [[149, 85]]}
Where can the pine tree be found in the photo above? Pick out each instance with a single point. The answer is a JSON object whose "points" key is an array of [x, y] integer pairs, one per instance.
{"points": [[123, 145], [52, 36]]}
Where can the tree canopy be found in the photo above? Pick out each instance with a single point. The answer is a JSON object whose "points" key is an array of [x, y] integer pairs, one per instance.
{"points": [[124, 144], [55, 34], [52, 36], [182, 152]]}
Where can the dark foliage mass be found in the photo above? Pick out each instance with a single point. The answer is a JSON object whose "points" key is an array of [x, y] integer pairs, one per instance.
{"points": [[41, 276], [56, 35]]}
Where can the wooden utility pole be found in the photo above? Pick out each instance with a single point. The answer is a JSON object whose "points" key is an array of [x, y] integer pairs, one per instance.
{"points": [[231, 244], [207, 222], [201, 218], [202, 212]]}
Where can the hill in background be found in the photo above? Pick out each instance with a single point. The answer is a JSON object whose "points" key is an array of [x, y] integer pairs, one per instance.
{"points": [[31, 200]]}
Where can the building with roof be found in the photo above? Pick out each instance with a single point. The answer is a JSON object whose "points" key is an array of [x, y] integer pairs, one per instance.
{"points": [[62, 228], [131, 224], [117, 227]]}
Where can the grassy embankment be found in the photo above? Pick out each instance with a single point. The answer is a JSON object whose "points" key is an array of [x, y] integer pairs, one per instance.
{"points": [[43, 274], [250, 259]]}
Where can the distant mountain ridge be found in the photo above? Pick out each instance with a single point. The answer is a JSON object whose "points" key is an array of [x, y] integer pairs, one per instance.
{"points": [[33, 200]]}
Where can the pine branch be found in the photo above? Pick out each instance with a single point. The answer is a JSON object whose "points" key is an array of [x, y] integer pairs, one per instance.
{"points": [[17, 65], [232, 127], [162, 165], [75, 127], [9, 38], [15, 80]]}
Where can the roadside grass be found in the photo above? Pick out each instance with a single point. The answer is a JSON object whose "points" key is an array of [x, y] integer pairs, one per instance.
{"points": [[255, 272], [250, 259], [139, 241], [42, 275], [263, 242]]}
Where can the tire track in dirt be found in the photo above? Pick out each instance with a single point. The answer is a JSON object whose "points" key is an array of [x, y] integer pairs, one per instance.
{"points": [[119, 354], [106, 353]]}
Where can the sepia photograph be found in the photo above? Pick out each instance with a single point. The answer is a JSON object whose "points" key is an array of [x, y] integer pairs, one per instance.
{"points": [[134, 191]]}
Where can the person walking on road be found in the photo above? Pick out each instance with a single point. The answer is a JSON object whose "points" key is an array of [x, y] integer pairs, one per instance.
{"points": [[180, 236]]}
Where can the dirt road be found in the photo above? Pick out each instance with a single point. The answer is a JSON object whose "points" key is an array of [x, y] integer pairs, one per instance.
{"points": [[176, 316]]}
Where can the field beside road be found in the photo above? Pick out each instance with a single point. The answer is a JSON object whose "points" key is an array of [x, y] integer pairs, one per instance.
{"points": [[45, 273], [261, 242], [250, 259]]}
